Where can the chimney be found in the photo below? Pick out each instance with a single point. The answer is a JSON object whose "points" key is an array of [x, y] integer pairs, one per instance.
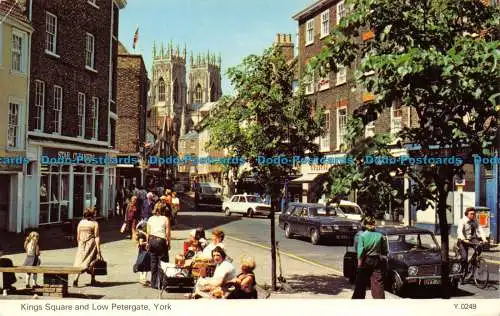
{"points": [[284, 42]]}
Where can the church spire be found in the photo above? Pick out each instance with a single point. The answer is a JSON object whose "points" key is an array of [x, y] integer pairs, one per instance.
{"points": [[154, 50]]}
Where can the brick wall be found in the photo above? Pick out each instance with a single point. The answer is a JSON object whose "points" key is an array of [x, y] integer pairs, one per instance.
{"points": [[131, 103], [74, 20]]}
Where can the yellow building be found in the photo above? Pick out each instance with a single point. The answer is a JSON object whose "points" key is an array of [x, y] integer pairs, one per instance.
{"points": [[15, 38]]}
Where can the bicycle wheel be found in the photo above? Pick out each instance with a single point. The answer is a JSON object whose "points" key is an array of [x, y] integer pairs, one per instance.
{"points": [[481, 273]]}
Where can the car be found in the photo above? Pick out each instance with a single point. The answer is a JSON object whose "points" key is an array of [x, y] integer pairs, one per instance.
{"points": [[318, 222], [209, 195], [413, 259], [350, 209], [248, 205]]}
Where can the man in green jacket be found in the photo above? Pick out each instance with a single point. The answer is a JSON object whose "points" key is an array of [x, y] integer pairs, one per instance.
{"points": [[371, 247]]}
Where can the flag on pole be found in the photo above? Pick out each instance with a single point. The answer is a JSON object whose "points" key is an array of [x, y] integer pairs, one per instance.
{"points": [[136, 38]]}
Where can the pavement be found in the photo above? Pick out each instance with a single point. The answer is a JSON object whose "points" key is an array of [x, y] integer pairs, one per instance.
{"points": [[303, 279]]}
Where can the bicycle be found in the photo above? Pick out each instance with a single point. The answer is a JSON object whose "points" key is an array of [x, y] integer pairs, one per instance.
{"points": [[477, 267]]}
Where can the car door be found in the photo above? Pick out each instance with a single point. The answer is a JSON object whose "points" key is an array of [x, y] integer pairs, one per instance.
{"points": [[241, 204], [303, 223], [232, 203], [293, 220]]}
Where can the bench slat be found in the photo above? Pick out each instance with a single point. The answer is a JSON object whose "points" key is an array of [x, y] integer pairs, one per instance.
{"points": [[43, 269]]}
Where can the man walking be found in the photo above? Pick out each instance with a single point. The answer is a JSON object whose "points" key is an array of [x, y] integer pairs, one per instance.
{"points": [[371, 246]]}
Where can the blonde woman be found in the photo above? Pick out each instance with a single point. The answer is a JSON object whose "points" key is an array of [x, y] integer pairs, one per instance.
{"points": [[245, 281], [89, 244], [158, 237], [32, 256]]}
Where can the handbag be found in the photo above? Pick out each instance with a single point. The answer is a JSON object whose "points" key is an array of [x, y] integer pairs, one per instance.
{"points": [[99, 267]]}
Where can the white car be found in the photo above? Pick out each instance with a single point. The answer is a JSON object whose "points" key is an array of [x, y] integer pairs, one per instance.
{"points": [[350, 209], [248, 205]]}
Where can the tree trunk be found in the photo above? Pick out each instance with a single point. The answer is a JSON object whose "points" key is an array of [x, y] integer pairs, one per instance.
{"points": [[273, 252], [443, 227]]}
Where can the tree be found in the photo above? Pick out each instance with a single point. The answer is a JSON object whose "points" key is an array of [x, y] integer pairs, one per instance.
{"points": [[439, 58], [264, 120]]}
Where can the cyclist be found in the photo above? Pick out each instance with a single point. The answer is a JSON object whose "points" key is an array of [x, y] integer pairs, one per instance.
{"points": [[468, 230]]}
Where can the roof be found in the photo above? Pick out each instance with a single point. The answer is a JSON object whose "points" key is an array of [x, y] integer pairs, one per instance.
{"points": [[17, 12], [396, 230], [316, 6]]}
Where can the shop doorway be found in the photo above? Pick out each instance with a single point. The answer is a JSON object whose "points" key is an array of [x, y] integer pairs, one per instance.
{"points": [[4, 202]]}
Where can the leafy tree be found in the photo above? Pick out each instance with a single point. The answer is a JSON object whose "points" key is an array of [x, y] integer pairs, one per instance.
{"points": [[438, 57], [265, 120]]}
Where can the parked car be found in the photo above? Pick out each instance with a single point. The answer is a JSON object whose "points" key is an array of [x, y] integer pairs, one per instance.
{"points": [[350, 209], [209, 195], [249, 205], [414, 259], [318, 222]]}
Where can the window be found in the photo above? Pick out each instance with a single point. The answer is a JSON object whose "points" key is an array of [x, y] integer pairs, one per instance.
{"points": [[309, 83], [325, 139], [341, 126], [89, 51], [18, 54], [51, 33], [39, 104], [325, 23], [161, 90], [58, 95], [396, 117], [340, 11], [198, 94], [13, 127], [310, 32], [324, 83], [95, 117], [81, 114], [341, 75]]}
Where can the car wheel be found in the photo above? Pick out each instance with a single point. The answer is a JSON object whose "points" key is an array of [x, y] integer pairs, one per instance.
{"points": [[288, 231], [227, 211], [397, 284], [315, 236], [250, 212]]}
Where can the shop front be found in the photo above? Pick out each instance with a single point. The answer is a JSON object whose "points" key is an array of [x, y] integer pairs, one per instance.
{"points": [[57, 192]]}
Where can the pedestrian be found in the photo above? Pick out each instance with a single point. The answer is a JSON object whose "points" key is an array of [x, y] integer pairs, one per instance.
{"points": [[245, 281], [371, 250], [147, 206], [143, 261], [120, 196], [217, 239], [89, 244], [32, 256], [8, 278], [176, 205], [132, 216], [158, 230]]}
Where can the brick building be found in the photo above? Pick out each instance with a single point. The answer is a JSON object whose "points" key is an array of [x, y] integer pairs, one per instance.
{"points": [[72, 111], [336, 93], [132, 98]]}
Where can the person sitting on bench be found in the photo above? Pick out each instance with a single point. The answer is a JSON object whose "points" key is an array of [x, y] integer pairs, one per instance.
{"points": [[9, 278]]}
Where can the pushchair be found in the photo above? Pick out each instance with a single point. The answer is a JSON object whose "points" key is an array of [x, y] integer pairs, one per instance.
{"points": [[183, 278]]}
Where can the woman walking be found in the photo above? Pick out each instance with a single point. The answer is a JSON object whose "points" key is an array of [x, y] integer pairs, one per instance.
{"points": [[89, 244], [158, 229], [131, 216], [32, 256], [143, 262]]}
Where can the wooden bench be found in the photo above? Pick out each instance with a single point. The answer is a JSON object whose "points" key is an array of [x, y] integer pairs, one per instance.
{"points": [[55, 278]]}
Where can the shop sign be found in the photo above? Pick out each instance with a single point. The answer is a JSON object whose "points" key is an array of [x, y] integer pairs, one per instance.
{"points": [[73, 155]]}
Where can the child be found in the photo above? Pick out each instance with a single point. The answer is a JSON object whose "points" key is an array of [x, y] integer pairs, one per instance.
{"points": [[143, 263], [32, 256]]}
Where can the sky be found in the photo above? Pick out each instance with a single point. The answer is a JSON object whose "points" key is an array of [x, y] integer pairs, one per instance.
{"points": [[233, 28]]}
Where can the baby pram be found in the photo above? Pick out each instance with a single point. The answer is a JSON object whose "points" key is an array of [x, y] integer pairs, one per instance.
{"points": [[183, 279]]}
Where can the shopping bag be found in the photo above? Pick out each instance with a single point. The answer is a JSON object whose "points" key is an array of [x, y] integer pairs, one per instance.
{"points": [[123, 228]]}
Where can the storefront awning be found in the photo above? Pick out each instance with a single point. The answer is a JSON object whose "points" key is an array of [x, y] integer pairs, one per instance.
{"points": [[306, 178]]}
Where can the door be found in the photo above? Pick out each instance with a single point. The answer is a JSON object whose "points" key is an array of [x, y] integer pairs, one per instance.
{"points": [[4, 202], [293, 220], [491, 203], [303, 226]]}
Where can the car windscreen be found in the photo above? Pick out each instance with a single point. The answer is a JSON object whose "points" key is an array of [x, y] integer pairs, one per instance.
{"points": [[412, 242], [351, 209], [253, 199], [324, 211], [210, 190]]}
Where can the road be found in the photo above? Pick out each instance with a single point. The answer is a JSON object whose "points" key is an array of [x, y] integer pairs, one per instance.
{"points": [[257, 231]]}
